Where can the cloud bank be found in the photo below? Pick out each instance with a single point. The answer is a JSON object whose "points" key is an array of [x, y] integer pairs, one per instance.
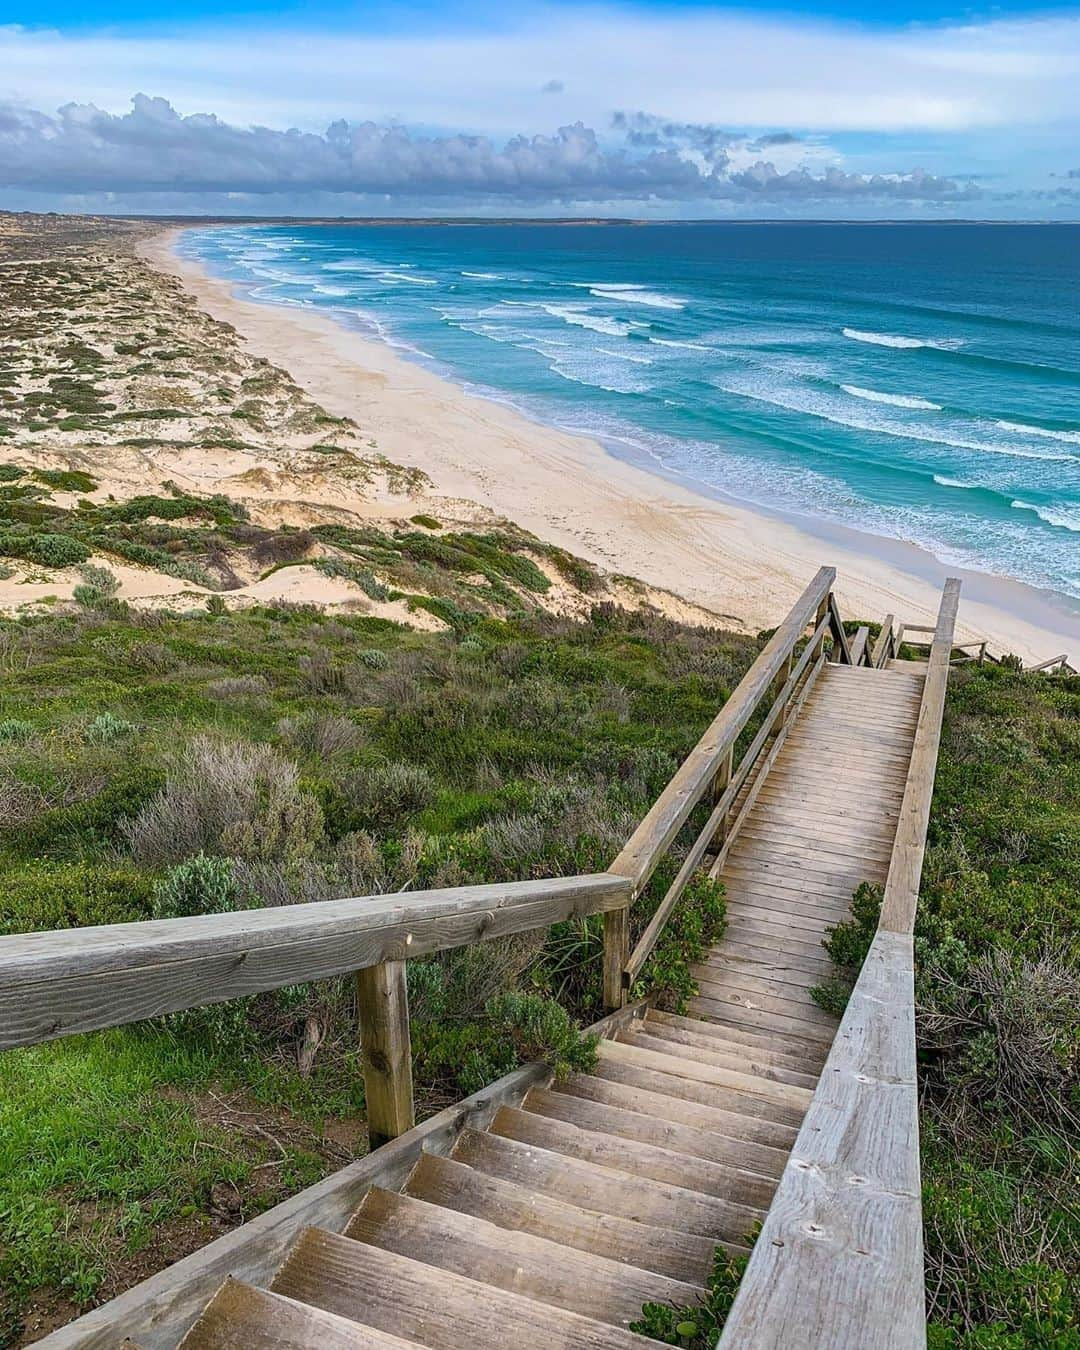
{"points": [[154, 149]]}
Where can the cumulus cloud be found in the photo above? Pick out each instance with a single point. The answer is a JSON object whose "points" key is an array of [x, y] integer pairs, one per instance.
{"points": [[154, 149], [763, 181]]}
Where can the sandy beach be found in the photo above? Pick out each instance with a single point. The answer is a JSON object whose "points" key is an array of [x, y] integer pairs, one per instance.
{"points": [[742, 564]]}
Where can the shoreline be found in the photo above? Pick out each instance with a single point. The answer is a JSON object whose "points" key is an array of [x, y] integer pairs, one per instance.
{"points": [[745, 565]]}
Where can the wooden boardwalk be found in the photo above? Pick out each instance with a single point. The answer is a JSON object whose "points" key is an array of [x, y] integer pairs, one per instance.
{"points": [[594, 1195], [541, 1213]]}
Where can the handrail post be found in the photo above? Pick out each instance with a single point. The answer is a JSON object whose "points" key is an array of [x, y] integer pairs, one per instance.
{"points": [[616, 953], [382, 998]]}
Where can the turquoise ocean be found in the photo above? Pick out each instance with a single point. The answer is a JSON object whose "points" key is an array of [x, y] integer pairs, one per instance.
{"points": [[919, 381]]}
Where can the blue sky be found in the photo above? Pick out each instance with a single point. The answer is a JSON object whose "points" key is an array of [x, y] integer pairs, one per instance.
{"points": [[649, 109]]}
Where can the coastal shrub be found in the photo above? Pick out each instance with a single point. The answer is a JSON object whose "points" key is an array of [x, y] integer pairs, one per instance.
{"points": [[698, 1326], [66, 480], [428, 522], [238, 686], [227, 797], [16, 731], [373, 658], [377, 796], [45, 895], [359, 576], [323, 735], [48, 550], [101, 579], [696, 924], [456, 1058], [284, 546], [108, 727], [199, 885]]}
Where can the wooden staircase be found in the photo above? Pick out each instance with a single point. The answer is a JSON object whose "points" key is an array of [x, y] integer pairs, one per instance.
{"points": [[545, 1214], [614, 1188]]}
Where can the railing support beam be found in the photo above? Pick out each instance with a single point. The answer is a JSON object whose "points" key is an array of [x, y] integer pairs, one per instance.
{"points": [[382, 998], [616, 952]]}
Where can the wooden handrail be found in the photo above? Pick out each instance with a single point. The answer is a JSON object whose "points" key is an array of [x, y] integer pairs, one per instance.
{"points": [[883, 647], [840, 1255], [650, 841], [736, 781], [57, 983], [905, 867]]}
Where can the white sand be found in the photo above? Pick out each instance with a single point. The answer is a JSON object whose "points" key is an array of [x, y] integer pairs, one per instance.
{"points": [[742, 564]]}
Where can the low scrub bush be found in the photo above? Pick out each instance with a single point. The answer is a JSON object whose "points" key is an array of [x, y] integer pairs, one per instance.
{"points": [[37, 896], [229, 798]]}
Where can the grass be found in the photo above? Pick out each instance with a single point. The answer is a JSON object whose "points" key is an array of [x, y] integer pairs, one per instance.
{"points": [[371, 757]]}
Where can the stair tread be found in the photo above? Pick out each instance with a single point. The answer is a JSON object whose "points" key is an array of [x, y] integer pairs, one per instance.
{"points": [[761, 1040], [683, 1257], [434, 1307], [581, 1282], [730, 1184], [679, 1091], [239, 1315], [778, 1100], [603, 1189], [742, 1057], [646, 1128]]}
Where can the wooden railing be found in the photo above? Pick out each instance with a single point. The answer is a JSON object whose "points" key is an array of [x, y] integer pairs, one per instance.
{"points": [[58, 983], [839, 1260]]}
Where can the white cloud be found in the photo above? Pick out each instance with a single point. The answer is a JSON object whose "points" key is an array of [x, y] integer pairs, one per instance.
{"points": [[153, 149], [693, 66]]}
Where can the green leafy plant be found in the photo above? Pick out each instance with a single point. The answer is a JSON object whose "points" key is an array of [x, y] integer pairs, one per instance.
{"points": [[697, 1328]]}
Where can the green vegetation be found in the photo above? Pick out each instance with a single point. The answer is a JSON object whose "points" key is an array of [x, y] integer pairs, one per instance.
{"points": [[159, 764], [997, 992], [697, 1328]]}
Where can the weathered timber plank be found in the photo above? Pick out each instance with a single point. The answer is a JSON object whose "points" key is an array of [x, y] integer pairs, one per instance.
{"points": [[156, 1313], [840, 1255], [743, 1061], [902, 885], [605, 1117], [386, 1050], [745, 1191], [57, 983], [685, 1257], [602, 1188], [441, 1310], [549, 1272], [750, 1117], [769, 1158], [241, 1316], [788, 1103], [671, 809]]}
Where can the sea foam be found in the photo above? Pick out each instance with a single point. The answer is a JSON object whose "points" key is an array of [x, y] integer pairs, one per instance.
{"points": [[1065, 520], [896, 400]]}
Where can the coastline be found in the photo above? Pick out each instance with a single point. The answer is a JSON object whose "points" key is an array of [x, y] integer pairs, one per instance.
{"points": [[743, 564]]}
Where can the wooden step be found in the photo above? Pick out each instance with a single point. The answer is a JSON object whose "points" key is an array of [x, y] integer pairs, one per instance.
{"points": [[743, 1117], [240, 1317], [748, 1191], [725, 964], [793, 1003], [433, 1307], [744, 1061], [807, 1051], [705, 1043], [678, 1111], [603, 1189], [683, 1257], [773, 960], [520, 1263], [644, 1128], [727, 1013], [777, 1101]]}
